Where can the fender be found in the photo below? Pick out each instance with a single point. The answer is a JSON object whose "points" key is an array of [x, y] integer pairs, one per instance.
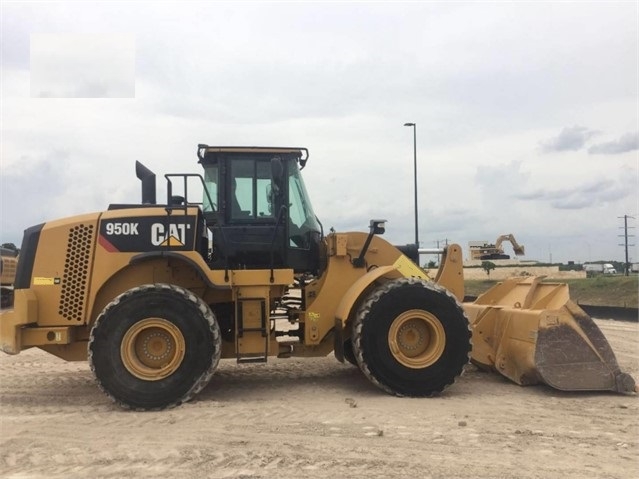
{"points": [[402, 267], [198, 266], [349, 299]]}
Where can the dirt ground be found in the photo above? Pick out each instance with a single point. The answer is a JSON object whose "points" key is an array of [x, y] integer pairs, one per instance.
{"points": [[317, 419]]}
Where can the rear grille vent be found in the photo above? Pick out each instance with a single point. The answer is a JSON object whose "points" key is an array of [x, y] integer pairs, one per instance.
{"points": [[76, 273]]}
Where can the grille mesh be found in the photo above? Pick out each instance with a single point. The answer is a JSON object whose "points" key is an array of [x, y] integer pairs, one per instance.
{"points": [[76, 272]]}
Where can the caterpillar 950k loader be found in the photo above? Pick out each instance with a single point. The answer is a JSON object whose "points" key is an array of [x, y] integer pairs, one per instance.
{"points": [[155, 294]]}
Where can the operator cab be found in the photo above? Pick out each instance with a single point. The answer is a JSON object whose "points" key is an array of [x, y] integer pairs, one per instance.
{"points": [[257, 208]]}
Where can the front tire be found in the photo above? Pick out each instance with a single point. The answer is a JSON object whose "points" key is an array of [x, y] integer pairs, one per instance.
{"points": [[411, 337], [154, 346]]}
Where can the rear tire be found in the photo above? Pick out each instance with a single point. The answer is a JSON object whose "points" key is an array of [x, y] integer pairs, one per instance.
{"points": [[154, 347], [411, 338]]}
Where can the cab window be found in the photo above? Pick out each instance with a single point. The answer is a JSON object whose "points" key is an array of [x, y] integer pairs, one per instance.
{"points": [[209, 202], [250, 190]]}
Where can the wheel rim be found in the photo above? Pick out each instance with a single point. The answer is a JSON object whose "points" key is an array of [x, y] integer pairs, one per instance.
{"points": [[152, 349], [416, 339]]}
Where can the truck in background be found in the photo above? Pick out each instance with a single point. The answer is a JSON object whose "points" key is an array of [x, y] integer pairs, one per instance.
{"points": [[593, 269]]}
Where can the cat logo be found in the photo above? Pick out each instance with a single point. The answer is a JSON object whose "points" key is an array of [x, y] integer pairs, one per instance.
{"points": [[175, 237]]}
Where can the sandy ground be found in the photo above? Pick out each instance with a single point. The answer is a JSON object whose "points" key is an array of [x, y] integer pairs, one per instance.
{"points": [[318, 419]]}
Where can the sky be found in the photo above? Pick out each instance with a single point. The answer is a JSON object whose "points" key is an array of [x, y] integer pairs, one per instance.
{"points": [[526, 113]]}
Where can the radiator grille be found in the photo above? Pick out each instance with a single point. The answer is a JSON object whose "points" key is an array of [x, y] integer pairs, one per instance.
{"points": [[76, 273]]}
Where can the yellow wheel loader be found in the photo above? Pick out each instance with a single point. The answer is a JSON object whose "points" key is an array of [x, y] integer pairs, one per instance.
{"points": [[238, 266]]}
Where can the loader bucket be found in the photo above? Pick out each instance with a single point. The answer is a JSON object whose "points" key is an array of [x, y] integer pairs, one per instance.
{"points": [[531, 332]]}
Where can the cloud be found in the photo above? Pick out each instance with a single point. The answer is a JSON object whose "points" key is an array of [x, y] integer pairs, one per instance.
{"points": [[41, 187], [43, 179], [497, 180], [571, 138], [627, 142], [591, 194]]}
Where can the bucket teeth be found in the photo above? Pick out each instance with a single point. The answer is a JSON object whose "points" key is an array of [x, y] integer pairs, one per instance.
{"points": [[567, 361]]}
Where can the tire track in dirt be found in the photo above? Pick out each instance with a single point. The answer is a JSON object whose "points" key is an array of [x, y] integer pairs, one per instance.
{"points": [[266, 456]]}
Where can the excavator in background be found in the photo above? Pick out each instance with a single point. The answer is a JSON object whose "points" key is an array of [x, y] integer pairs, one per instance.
{"points": [[496, 251], [8, 267], [235, 264]]}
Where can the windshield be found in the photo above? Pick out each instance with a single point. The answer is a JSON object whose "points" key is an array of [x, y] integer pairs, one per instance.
{"points": [[302, 217]]}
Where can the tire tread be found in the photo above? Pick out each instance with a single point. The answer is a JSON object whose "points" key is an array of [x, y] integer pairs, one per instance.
{"points": [[365, 309], [207, 314]]}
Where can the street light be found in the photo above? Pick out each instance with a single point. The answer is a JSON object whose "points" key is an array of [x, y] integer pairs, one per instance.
{"points": [[415, 177]]}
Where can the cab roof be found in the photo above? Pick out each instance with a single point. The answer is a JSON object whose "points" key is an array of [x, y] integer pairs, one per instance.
{"points": [[203, 151]]}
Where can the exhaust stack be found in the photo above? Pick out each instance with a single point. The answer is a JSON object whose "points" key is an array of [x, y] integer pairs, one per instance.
{"points": [[147, 177]]}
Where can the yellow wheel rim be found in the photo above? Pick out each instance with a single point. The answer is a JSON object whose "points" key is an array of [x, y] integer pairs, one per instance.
{"points": [[152, 349], [416, 339]]}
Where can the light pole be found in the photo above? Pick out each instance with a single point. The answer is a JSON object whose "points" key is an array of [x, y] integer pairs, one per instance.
{"points": [[415, 177]]}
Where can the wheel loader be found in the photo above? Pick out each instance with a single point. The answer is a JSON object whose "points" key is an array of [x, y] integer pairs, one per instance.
{"points": [[235, 264]]}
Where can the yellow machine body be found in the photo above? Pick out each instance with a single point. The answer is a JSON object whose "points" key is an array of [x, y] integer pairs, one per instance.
{"points": [[526, 330], [68, 291]]}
